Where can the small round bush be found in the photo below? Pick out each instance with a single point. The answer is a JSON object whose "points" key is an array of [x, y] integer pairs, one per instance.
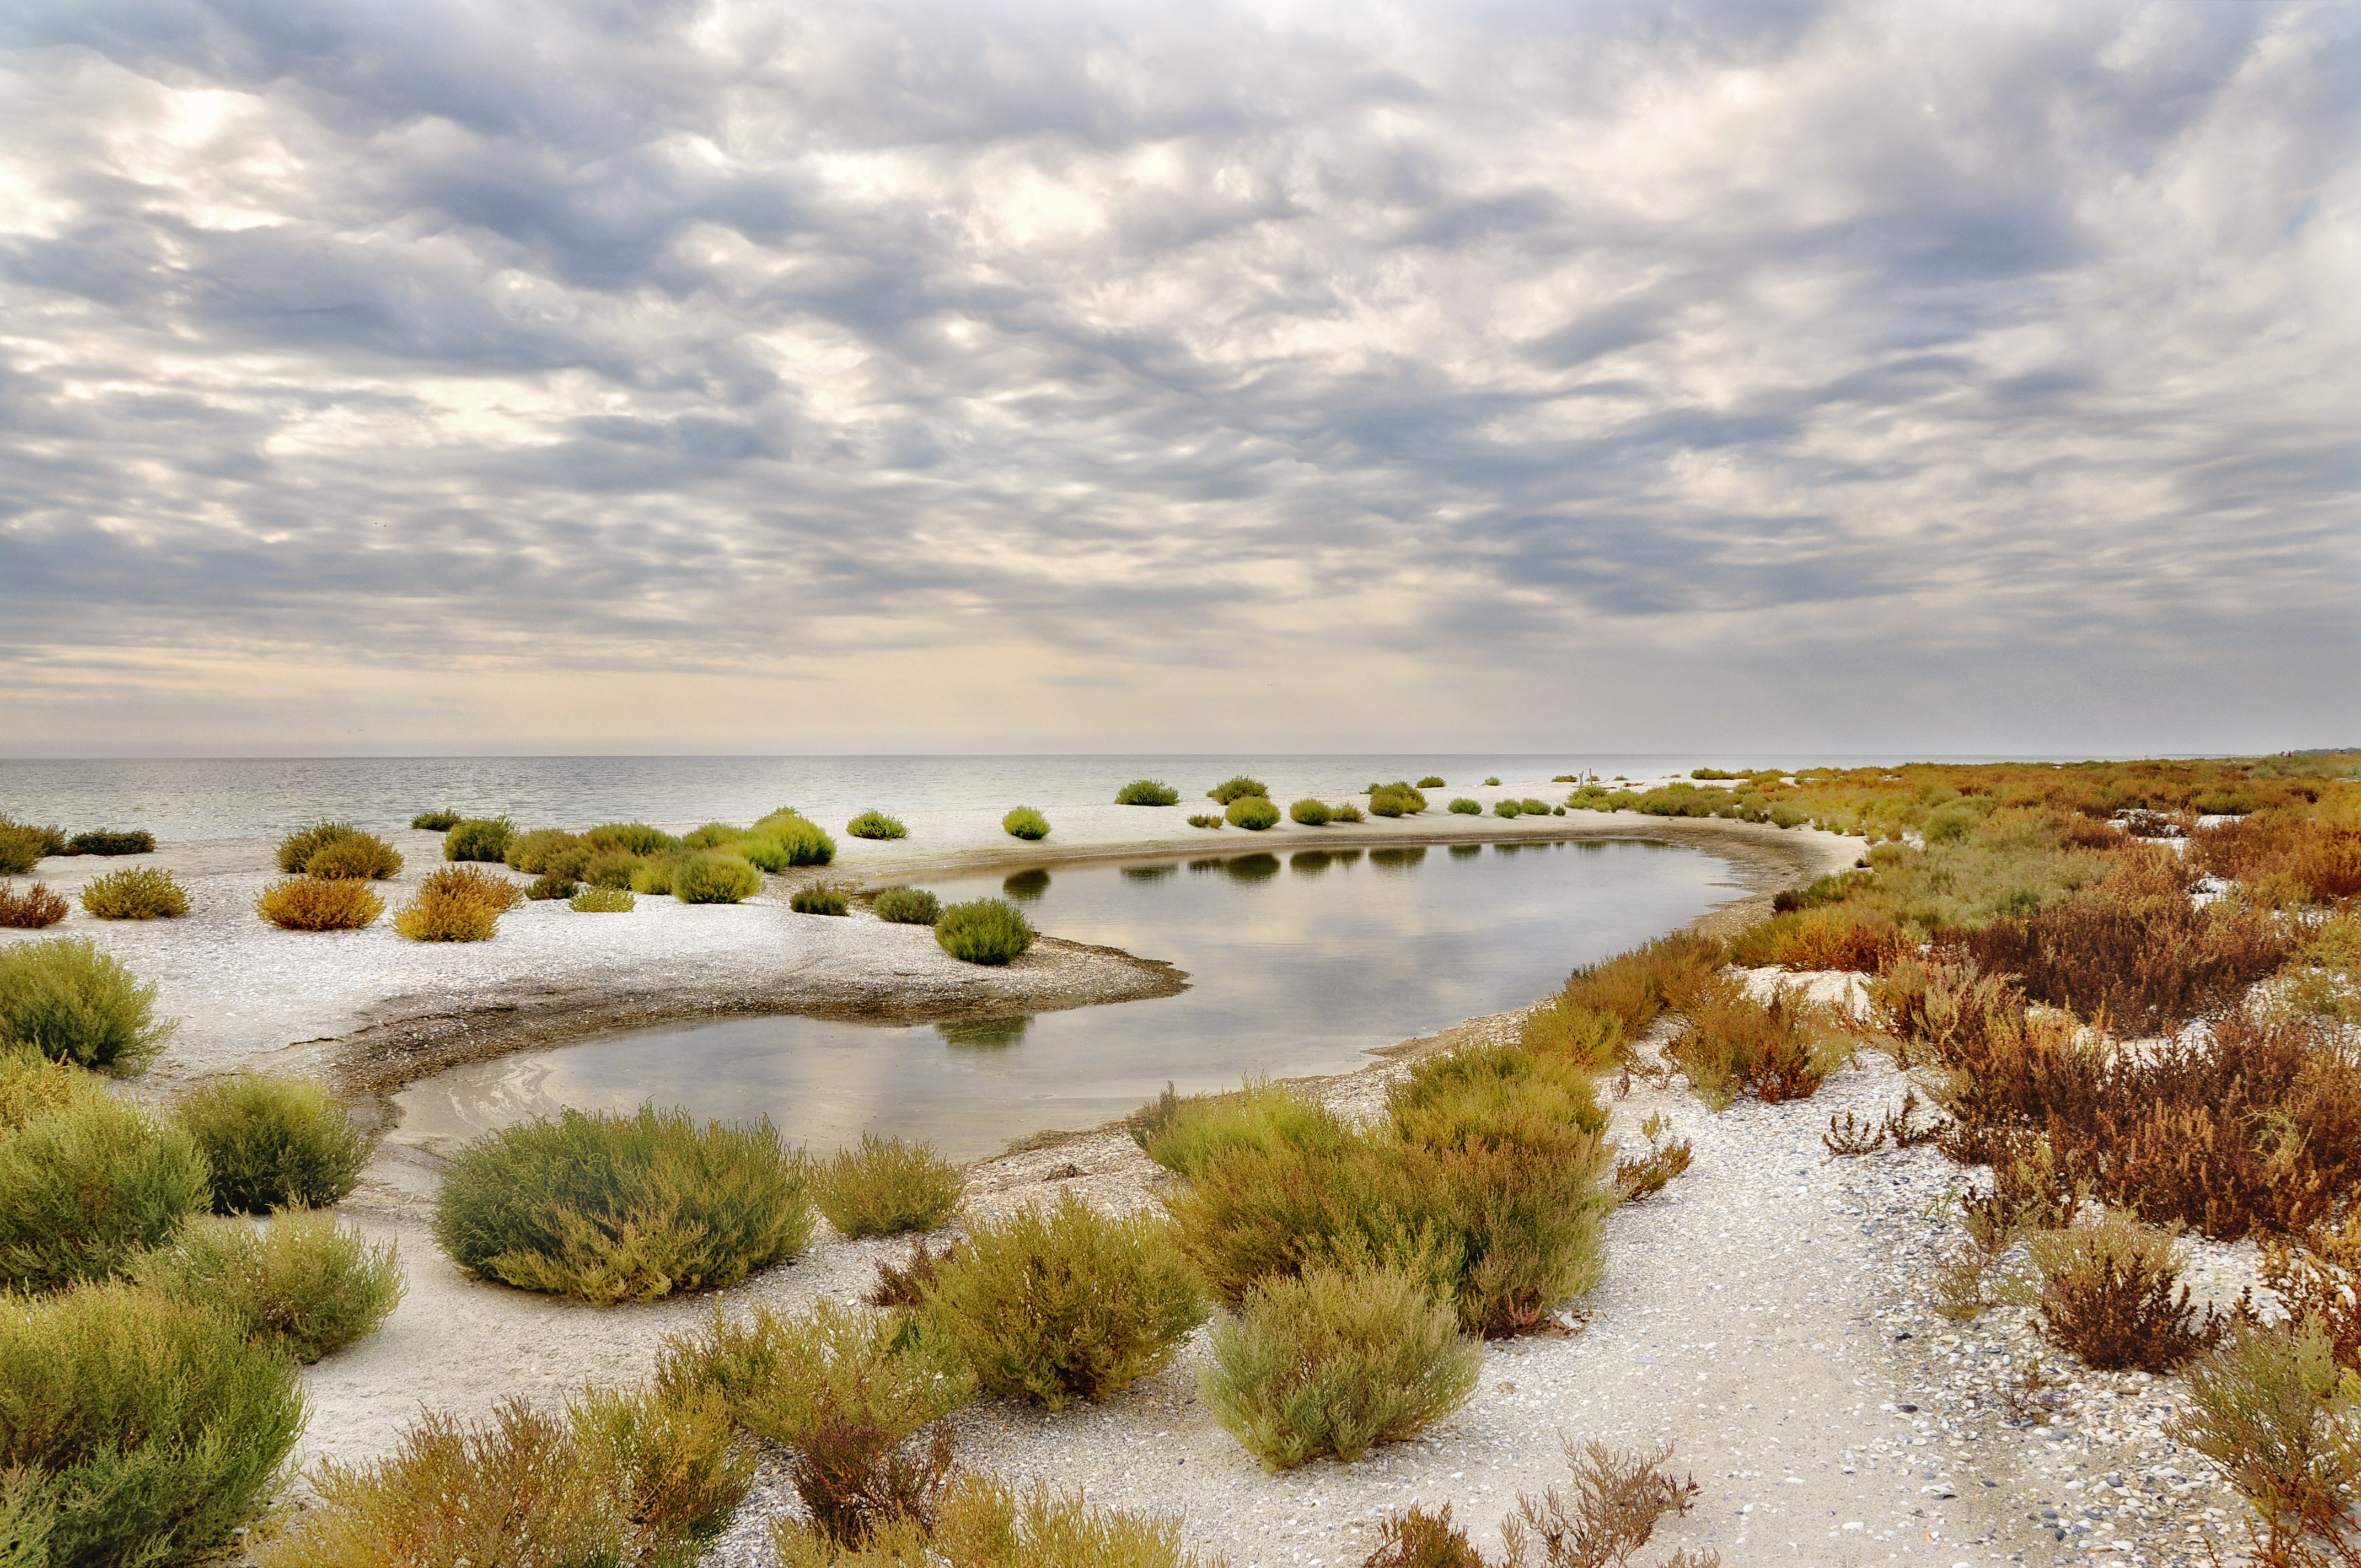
{"points": [[603, 901], [364, 857], [1535, 808], [156, 1427], [886, 1187], [1507, 809], [479, 839], [457, 904], [435, 821], [780, 841], [712, 836], [636, 836], [32, 909], [907, 905], [1252, 812], [531, 852], [654, 877], [550, 885], [146, 893], [611, 868], [24, 846], [65, 999], [876, 825], [274, 1143], [1049, 1307], [1384, 805], [1348, 812], [1466, 807], [711, 878], [1204, 821], [300, 1282], [1491, 784], [296, 850], [92, 1181], [104, 842], [1231, 789], [1026, 823], [623, 1208], [308, 903], [1148, 791], [1311, 813], [984, 931], [1412, 801], [820, 899], [1430, 782]]}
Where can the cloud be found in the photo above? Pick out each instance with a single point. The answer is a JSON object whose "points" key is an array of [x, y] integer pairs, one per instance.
{"points": [[1705, 374]]}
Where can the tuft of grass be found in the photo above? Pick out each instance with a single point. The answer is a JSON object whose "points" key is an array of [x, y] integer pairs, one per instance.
{"points": [[535, 854], [822, 899], [103, 841], [876, 825], [1252, 812], [637, 837], [983, 931], [479, 839], [154, 1426], [1025, 823], [147, 892], [1430, 782], [299, 1281], [363, 857], [2281, 1420], [1336, 1362], [1237, 788], [906, 906], [274, 1143], [1348, 812], [1204, 821], [1730, 1043], [1148, 791], [65, 999], [1064, 1305], [296, 850], [457, 904], [93, 1181], [2106, 1295], [1311, 813], [885, 1187], [435, 821], [1464, 806], [603, 901], [32, 909], [308, 903], [710, 877], [623, 1208], [1182, 1132]]}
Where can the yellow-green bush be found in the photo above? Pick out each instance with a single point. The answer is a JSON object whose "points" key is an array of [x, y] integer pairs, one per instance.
{"points": [[1252, 812], [145, 893], [532, 853], [1180, 1132], [457, 904], [1146, 792], [92, 1181], [1024, 822], [1731, 1043], [301, 1281], [1232, 789], [637, 837], [906, 906], [714, 878], [360, 856], [603, 901], [983, 931], [296, 850], [876, 825], [272, 1142], [479, 839], [65, 999], [310, 903], [886, 1186]]}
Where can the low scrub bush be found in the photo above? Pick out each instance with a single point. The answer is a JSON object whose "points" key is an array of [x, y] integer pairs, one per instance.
{"points": [[1237, 788], [299, 1282], [1584, 1035], [1412, 801], [885, 1187], [1204, 821], [1464, 806], [654, 878], [906, 1284], [2273, 1410], [547, 887], [822, 899], [1535, 808], [30, 910], [1252, 812], [1507, 809], [1346, 812], [623, 1208], [712, 836], [1637, 987], [1837, 937], [457, 904], [65, 999], [93, 1181], [2106, 1295], [977, 1522], [154, 1428], [1618, 1499], [479, 839], [907, 905], [1731, 1043], [532, 852], [983, 931], [611, 868], [713, 878], [797, 839], [637, 837], [104, 841], [1068, 1304], [2318, 1280], [1182, 1133], [148, 892], [1430, 782], [1025, 823], [24, 846], [1148, 791], [296, 850], [876, 825], [308, 903], [1311, 813], [1332, 1362], [1642, 1175], [364, 857], [435, 821], [274, 1143], [603, 901]]}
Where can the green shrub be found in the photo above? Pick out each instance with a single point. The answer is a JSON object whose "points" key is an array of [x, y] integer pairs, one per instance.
{"points": [[1384, 805], [1348, 812], [1204, 821], [611, 868], [819, 899], [71, 1003], [1466, 807], [1495, 1094], [1237, 788], [479, 839], [1491, 784], [980, 1523], [457, 904], [274, 1143], [983, 931], [435, 821], [1730, 1043], [363, 857], [876, 825], [603, 901], [654, 878], [532, 852], [712, 836], [636, 836], [1507, 809], [308, 903], [145, 894], [548, 886], [623, 1208], [1047, 1308], [1148, 791], [32, 909], [1182, 1133], [104, 842], [299, 1282], [2281, 1420], [92, 1181], [296, 850], [1334, 1362], [1025, 823], [1311, 813], [24, 846], [156, 1426], [907, 905], [886, 1187], [1252, 812], [713, 878], [799, 841], [1413, 802], [1535, 808]]}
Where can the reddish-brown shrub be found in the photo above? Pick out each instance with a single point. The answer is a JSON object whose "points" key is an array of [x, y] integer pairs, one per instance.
{"points": [[30, 910], [2318, 1280], [1416, 1539], [2108, 1296], [1828, 937], [2320, 854]]}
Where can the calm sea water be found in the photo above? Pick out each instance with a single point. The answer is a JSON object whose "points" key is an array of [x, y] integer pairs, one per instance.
{"points": [[241, 797], [1297, 965]]}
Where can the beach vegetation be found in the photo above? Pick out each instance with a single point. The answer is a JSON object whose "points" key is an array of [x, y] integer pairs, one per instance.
{"points": [[1346, 812], [1024, 822], [299, 1282], [886, 1186], [532, 852], [273, 1141], [92, 1180], [2107, 1294], [1336, 1362], [1535, 808], [64, 1000], [637, 837], [711, 877], [613, 1208], [876, 825], [821, 898], [296, 850], [107, 841], [1183, 1132], [1732, 1042], [983, 931], [479, 839], [1236, 788], [457, 904], [1204, 820], [603, 901], [976, 1521], [438, 821], [146, 892], [24, 846], [308, 903], [711, 836], [2316, 1277], [798, 837], [152, 1426], [1491, 784], [906, 1284], [1507, 809], [1311, 813], [2281, 1420], [1430, 782], [654, 877], [549, 887], [906, 906], [1408, 797], [1464, 806], [1252, 812], [32, 909], [361, 857], [1618, 1499], [611, 868], [1148, 791]]}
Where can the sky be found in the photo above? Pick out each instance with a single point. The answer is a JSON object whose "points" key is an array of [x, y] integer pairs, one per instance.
{"points": [[398, 376]]}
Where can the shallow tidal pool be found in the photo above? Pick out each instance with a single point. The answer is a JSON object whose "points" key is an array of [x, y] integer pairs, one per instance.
{"points": [[1297, 965]]}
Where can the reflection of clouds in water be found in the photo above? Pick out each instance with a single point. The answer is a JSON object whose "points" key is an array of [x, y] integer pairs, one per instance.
{"points": [[1025, 886], [985, 1031]]}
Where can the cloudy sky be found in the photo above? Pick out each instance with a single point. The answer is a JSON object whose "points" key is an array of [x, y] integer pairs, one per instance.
{"points": [[401, 375]]}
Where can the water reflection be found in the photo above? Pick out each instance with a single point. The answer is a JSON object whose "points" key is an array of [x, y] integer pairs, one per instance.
{"points": [[1025, 886], [1157, 872], [1309, 862], [1252, 868], [1465, 852], [987, 1031], [1401, 858]]}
